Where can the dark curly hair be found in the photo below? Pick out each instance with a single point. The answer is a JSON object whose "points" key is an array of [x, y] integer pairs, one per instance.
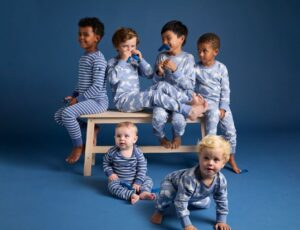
{"points": [[95, 23], [211, 38]]}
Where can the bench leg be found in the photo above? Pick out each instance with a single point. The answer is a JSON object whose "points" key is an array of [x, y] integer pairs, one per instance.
{"points": [[87, 171]]}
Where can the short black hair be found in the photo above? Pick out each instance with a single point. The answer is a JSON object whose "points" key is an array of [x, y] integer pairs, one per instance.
{"points": [[95, 23], [211, 38], [177, 27]]}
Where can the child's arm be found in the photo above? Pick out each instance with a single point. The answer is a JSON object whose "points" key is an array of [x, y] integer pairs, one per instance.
{"points": [[225, 89], [185, 191], [220, 198], [141, 167], [98, 80], [185, 76], [107, 163], [145, 68]]}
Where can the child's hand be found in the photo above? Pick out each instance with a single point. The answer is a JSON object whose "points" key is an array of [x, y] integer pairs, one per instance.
{"points": [[222, 226], [222, 113], [160, 71], [72, 100], [136, 187], [113, 177], [169, 64], [190, 227], [138, 53]]}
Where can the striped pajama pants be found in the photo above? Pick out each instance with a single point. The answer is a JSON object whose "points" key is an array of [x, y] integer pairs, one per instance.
{"points": [[123, 192], [68, 117]]}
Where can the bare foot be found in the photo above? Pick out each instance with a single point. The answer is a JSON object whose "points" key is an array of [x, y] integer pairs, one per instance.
{"points": [[176, 142], [147, 196], [197, 111], [165, 143], [196, 100], [156, 218], [134, 198], [190, 227], [75, 155], [233, 164]]}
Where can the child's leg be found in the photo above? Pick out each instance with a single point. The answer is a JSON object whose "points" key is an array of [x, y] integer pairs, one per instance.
{"points": [[179, 124], [120, 191], [165, 197], [69, 119], [159, 120], [146, 187], [228, 128], [212, 118]]}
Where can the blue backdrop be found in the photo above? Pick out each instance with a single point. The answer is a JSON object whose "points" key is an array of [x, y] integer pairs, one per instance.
{"points": [[40, 53]]}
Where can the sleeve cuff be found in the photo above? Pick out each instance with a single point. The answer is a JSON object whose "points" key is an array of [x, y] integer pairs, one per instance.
{"points": [[81, 98], [108, 173], [221, 218], [138, 181], [185, 221], [224, 106]]}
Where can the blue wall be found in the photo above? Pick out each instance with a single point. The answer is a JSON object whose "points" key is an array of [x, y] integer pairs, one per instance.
{"points": [[39, 54]]}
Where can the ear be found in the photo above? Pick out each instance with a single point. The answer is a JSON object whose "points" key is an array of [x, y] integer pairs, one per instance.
{"points": [[216, 52], [182, 37], [98, 38], [135, 139]]}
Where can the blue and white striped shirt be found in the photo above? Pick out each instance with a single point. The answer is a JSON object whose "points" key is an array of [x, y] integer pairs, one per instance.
{"points": [[213, 83], [91, 80], [130, 169]]}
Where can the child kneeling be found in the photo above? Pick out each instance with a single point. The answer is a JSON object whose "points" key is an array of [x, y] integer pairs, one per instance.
{"points": [[125, 166], [194, 186]]}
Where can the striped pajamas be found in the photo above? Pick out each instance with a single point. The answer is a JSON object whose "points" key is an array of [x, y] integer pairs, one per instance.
{"points": [[183, 79], [90, 93], [213, 84], [130, 170]]}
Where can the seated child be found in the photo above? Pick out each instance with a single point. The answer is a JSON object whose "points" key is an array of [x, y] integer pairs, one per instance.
{"points": [[90, 95], [212, 82], [176, 67], [125, 163], [195, 186], [123, 74]]}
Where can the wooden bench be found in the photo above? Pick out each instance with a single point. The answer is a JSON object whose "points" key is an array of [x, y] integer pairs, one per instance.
{"points": [[114, 117]]}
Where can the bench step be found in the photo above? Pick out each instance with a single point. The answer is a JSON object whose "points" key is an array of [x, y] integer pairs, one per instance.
{"points": [[153, 149]]}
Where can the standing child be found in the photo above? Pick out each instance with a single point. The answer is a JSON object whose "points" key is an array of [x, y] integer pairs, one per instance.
{"points": [[123, 73], [125, 164], [177, 68], [90, 95], [212, 82], [194, 186]]}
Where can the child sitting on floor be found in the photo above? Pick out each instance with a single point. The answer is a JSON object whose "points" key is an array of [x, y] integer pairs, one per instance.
{"points": [[125, 164]]}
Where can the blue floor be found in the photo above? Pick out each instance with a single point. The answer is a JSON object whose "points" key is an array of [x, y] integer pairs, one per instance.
{"points": [[39, 191]]}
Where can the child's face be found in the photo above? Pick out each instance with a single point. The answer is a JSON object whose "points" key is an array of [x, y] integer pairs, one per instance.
{"points": [[127, 47], [125, 137], [207, 53], [211, 161], [173, 41], [88, 40]]}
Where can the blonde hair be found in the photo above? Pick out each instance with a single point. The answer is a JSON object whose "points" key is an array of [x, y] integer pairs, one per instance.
{"points": [[214, 141], [124, 34], [127, 124]]}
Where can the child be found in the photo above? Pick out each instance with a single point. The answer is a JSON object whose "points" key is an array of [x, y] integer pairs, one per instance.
{"points": [[194, 186], [175, 67], [123, 74], [213, 83], [125, 163], [90, 95]]}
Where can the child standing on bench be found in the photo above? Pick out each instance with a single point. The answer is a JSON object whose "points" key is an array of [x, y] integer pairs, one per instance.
{"points": [[193, 187], [125, 164], [177, 68], [90, 95], [212, 82], [123, 74]]}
